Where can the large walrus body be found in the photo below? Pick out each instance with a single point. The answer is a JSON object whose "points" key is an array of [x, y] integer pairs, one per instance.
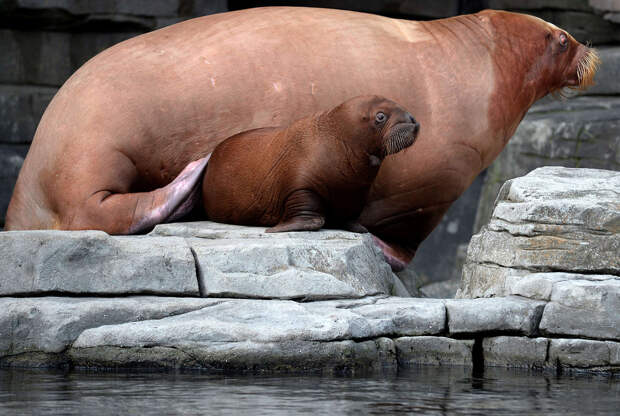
{"points": [[135, 115]]}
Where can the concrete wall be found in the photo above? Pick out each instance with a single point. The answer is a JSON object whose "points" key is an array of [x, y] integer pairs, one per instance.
{"points": [[43, 42]]}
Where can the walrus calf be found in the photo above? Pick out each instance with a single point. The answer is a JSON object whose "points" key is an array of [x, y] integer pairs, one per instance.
{"points": [[317, 170]]}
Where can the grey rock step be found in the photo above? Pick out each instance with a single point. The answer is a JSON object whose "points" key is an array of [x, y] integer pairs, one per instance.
{"points": [[336, 357], [92, 262], [515, 352], [511, 314], [584, 308], [230, 261], [51, 324], [553, 219], [246, 262], [267, 321], [433, 350], [584, 354], [266, 335]]}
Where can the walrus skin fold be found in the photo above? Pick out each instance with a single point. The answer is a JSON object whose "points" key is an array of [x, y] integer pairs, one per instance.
{"points": [[135, 116]]}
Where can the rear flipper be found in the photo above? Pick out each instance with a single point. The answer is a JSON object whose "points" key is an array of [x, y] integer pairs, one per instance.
{"points": [[133, 213], [396, 256]]}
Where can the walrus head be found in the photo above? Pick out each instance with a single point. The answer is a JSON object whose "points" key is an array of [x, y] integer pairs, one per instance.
{"points": [[382, 127], [551, 60]]}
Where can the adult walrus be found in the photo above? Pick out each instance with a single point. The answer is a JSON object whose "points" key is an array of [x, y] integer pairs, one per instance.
{"points": [[318, 169], [137, 114]]}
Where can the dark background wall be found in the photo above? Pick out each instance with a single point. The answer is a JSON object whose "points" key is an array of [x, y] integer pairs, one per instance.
{"points": [[42, 42]]}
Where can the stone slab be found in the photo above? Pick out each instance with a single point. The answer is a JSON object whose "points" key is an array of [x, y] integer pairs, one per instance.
{"points": [[552, 220], [515, 352], [245, 334], [581, 354], [92, 262], [265, 321], [494, 315], [433, 350], [246, 262], [51, 324], [584, 308], [338, 357]]}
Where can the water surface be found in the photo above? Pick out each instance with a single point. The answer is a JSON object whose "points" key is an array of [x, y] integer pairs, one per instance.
{"points": [[421, 390]]}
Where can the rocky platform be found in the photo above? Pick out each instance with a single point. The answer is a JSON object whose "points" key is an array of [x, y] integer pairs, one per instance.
{"points": [[226, 298]]}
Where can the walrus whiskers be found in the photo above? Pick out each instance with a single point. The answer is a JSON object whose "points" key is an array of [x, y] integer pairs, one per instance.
{"points": [[586, 69]]}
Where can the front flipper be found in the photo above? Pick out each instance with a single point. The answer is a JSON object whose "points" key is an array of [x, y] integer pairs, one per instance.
{"points": [[131, 213], [298, 224], [303, 211]]}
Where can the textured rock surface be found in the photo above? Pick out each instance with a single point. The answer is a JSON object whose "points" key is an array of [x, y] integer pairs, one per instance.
{"points": [[512, 315], [92, 262], [553, 219], [51, 324], [253, 335], [515, 352], [246, 262], [268, 335], [582, 353], [434, 350], [589, 308], [215, 260], [267, 321]]}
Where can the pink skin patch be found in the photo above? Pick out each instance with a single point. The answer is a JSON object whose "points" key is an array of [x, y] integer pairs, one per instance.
{"points": [[393, 258], [179, 197]]}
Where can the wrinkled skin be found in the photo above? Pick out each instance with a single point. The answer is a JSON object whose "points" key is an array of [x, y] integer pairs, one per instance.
{"points": [[316, 170], [132, 118]]}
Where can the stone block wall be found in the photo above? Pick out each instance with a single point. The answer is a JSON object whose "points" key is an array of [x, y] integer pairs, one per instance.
{"points": [[43, 42]]}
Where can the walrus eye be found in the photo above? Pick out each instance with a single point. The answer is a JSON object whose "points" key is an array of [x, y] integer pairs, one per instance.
{"points": [[563, 40], [380, 117]]}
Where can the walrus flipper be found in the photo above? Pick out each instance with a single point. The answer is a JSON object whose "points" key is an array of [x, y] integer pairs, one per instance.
{"points": [[171, 202], [302, 212], [131, 213]]}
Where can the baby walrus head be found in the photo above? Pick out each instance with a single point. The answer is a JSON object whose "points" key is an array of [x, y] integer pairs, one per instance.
{"points": [[374, 125]]}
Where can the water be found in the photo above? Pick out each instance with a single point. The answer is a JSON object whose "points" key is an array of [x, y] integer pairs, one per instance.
{"points": [[422, 390]]}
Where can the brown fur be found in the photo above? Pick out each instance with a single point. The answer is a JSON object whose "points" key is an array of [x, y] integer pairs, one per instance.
{"points": [[319, 168]]}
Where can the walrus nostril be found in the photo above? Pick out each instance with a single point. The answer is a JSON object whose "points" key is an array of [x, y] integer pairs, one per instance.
{"points": [[410, 118], [416, 128]]}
